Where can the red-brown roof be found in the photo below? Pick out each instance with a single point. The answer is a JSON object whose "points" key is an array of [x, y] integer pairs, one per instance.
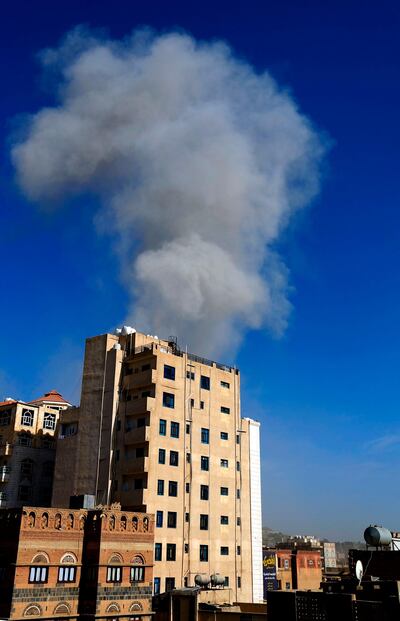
{"points": [[52, 396], [9, 402]]}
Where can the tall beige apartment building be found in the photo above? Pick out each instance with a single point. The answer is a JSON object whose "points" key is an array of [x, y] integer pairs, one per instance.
{"points": [[160, 430]]}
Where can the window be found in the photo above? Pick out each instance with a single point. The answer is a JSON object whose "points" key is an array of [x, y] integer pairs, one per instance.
{"points": [[203, 521], [192, 403], [224, 435], [114, 573], [190, 375], [238, 521], [204, 553], [204, 462], [27, 417], [205, 382], [226, 581], [138, 484], [139, 451], [224, 491], [201, 405], [224, 550], [68, 429], [286, 563], [238, 439], [38, 574], [238, 466], [238, 551], [205, 435], [225, 384], [66, 573], [159, 519], [49, 421], [225, 410], [24, 439], [287, 586], [169, 584], [203, 492], [168, 400], [238, 494], [224, 519], [160, 487], [239, 582], [224, 463], [118, 424], [26, 468], [186, 548], [171, 522], [5, 418], [188, 428], [174, 430], [157, 584], [141, 422], [187, 517], [171, 551], [161, 456], [169, 372], [163, 427], [188, 458], [187, 487], [146, 394], [137, 574], [158, 551], [310, 562], [117, 455], [173, 458], [172, 488]]}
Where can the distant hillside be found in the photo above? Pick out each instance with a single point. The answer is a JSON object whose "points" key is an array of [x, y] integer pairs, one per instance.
{"points": [[272, 537]]}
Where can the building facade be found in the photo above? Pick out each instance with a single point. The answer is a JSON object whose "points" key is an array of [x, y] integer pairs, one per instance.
{"points": [[27, 449], [57, 563], [160, 430]]}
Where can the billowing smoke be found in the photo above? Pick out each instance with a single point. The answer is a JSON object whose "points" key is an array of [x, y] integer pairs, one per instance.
{"points": [[198, 162]]}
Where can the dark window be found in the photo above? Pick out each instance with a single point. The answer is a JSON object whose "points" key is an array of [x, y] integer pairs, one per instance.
{"points": [[138, 484], [204, 492], [174, 430], [5, 418], [238, 521], [188, 458], [27, 417], [24, 492], [160, 487], [205, 382], [156, 583], [224, 519], [238, 494], [168, 400], [187, 486], [225, 410], [169, 372], [140, 451], [238, 551], [169, 584], [204, 462], [186, 517], [171, 522], [186, 548], [145, 394], [141, 422], [224, 491], [192, 403], [171, 551], [238, 466], [137, 574], [201, 405], [224, 435], [24, 439], [117, 455], [146, 367], [225, 384], [238, 439], [114, 573], [161, 456], [26, 468], [205, 435], [66, 573], [173, 458], [239, 582], [190, 375], [118, 424], [188, 428], [224, 550], [158, 551], [224, 463], [226, 581], [49, 421], [38, 574], [163, 427], [172, 488], [159, 519], [203, 521], [204, 553]]}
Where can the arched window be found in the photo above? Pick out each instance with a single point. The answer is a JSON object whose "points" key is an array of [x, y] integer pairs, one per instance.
{"points": [[38, 571], [70, 521], [32, 519], [123, 522], [111, 522], [114, 570], [44, 522], [145, 524], [137, 573], [67, 569], [68, 559], [62, 609], [113, 608], [27, 417], [40, 558], [57, 521], [32, 611], [134, 523], [49, 421], [82, 521], [135, 606]]}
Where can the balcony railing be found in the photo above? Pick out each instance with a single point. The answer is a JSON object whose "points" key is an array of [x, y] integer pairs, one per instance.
{"points": [[135, 466], [138, 380], [138, 406], [137, 435]]}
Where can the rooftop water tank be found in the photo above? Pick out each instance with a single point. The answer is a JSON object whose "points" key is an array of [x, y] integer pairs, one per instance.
{"points": [[377, 536], [202, 580], [217, 580]]}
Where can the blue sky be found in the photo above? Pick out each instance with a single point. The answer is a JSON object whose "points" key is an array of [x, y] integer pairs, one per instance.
{"points": [[327, 392]]}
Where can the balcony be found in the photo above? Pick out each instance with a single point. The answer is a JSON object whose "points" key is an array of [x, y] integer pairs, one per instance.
{"points": [[135, 466], [137, 435], [3, 500], [139, 380], [132, 499], [138, 406], [4, 474], [6, 449]]}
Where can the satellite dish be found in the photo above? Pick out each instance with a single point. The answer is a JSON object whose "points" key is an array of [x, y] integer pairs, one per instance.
{"points": [[359, 570]]}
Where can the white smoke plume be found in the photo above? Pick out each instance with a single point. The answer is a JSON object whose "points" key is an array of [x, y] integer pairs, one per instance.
{"points": [[198, 163]]}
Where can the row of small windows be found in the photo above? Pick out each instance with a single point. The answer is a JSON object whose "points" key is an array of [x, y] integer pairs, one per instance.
{"points": [[204, 489], [174, 428], [40, 574], [169, 402], [27, 418], [205, 433], [171, 551]]}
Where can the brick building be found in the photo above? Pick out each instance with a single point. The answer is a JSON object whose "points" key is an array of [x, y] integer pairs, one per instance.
{"points": [[75, 564], [27, 449]]}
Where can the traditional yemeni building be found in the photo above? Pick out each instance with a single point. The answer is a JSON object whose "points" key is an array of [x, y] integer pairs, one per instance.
{"points": [[27, 449], [57, 563], [160, 430]]}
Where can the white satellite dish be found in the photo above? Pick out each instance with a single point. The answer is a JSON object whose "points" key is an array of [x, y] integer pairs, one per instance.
{"points": [[359, 570]]}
